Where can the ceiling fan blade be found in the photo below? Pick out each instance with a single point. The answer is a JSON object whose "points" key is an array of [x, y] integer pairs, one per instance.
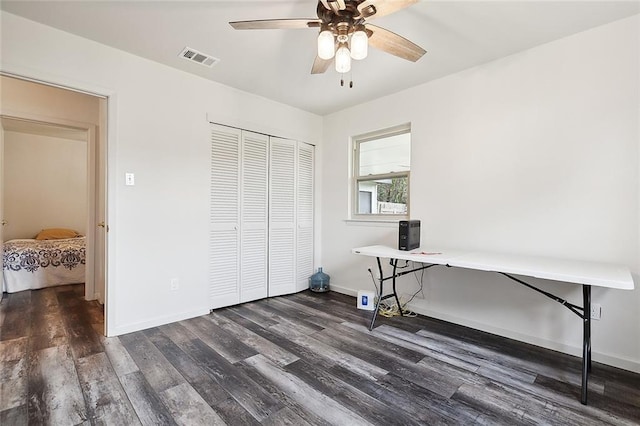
{"points": [[370, 9], [334, 5], [394, 44], [320, 65], [276, 24]]}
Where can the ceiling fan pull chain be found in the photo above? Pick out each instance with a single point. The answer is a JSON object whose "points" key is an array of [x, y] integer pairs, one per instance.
{"points": [[342, 81]]}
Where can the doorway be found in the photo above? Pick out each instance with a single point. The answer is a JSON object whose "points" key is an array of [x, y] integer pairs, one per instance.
{"points": [[33, 108]]}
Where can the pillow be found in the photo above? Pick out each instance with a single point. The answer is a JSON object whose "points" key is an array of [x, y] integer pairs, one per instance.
{"points": [[56, 234]]}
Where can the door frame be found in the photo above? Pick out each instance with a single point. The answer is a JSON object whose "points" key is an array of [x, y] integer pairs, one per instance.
{"points": [[91, 178], [1, 209], [107, 166]]}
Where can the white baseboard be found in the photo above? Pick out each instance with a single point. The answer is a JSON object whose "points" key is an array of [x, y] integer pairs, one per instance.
{"points": [[344, 290], [155, 322], [98, 296], [614, 361]]}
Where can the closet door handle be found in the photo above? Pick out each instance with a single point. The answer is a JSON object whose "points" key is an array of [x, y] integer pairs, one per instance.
{"points": [[4, 222]]}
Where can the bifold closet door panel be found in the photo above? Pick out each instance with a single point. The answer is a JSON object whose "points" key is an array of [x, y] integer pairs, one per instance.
{"points": [[261, 227], [282, 216], [304, 215], [254, 213], [224, 229]]}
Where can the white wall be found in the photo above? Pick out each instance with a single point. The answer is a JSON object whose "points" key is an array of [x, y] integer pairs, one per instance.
{"points": [[536, 153], [158, 130], [45, 184]]}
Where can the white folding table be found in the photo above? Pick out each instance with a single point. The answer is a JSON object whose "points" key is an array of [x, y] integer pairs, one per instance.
{"points": [[586, 274]]}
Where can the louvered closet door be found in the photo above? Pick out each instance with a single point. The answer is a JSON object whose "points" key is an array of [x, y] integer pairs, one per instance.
{"points": [[224, 241], [304, 215], [254, 216], [282, 212]]}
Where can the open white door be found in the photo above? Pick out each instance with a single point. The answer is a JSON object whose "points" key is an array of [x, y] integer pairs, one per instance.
{"points": [[90, 265], [97, 228], [100, 225]]}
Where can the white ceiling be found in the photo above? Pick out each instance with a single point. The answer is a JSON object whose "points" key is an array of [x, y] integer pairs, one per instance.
{"points": [[276, 63]]}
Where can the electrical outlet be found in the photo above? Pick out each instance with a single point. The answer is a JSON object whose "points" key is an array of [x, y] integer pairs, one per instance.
{"points": [[175, 284], [596, 311]]}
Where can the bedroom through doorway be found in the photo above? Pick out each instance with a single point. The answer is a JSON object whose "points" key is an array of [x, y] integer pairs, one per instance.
{"points": [[53, 162]]}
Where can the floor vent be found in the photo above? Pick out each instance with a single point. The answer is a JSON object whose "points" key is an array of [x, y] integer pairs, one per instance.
{"points": [[198, 57]]}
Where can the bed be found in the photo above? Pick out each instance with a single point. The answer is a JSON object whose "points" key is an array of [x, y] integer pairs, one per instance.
{"points": [[30, 264]]}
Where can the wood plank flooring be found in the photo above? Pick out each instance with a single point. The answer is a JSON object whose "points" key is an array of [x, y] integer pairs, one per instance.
{"points": [[303, 359]]}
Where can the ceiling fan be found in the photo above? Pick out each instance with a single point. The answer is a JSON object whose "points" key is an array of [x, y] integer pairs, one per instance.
{"points": [[345, 33]]}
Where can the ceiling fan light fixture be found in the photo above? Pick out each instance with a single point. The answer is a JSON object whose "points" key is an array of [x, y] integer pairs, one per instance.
{"points": [[344, 32], [326, 44], [343, 59], [359, 44]]}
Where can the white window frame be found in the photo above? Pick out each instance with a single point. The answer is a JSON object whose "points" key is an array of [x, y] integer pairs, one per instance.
{"points": [[357, 179]]}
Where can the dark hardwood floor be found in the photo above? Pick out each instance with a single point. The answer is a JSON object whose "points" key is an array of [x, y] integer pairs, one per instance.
{"points": [[294, 360]]}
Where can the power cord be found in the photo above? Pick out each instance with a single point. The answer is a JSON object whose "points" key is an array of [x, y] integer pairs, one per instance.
{"points": [[406, 264], [392, 310], [420, 283], [374, 283]]}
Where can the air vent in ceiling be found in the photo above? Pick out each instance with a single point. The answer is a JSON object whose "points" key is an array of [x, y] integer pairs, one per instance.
{"points": [[198, 57]]}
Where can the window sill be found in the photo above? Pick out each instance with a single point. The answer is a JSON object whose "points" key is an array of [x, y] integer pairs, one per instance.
{"points": [[389, 223]]}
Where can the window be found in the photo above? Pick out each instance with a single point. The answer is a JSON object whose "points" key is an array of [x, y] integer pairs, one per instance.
{"points": [[381, 173]]}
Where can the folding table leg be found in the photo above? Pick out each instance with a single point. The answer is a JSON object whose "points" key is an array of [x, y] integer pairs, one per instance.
{"points": [[375, 312], [395, 293], [586, 341]]}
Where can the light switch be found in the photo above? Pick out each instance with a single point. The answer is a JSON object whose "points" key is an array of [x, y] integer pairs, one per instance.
{"points": [[129, 179]]}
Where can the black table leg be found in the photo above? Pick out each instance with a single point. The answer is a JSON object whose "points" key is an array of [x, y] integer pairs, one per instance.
{"points": [[586, 341], [375, 312], [381, 296], [395, 293]]}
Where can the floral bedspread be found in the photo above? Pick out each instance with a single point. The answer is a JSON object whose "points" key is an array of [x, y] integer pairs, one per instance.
{"points": [[41, 263], [33, 254]]}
